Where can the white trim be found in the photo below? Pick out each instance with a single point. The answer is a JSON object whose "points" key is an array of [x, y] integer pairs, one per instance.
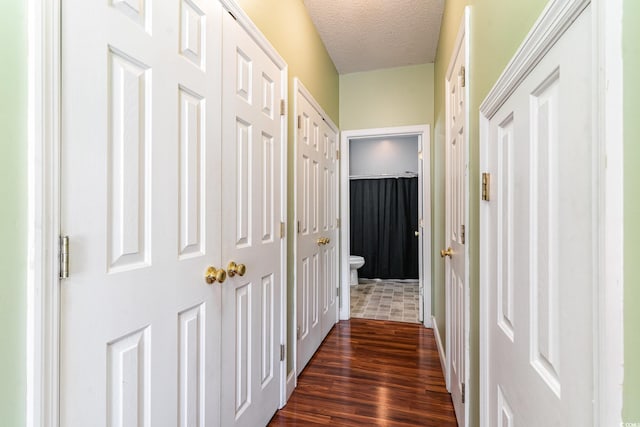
{"points": [[443, 358], [423, 132], [462, 40], [609, 293], [43, 218], [608, 290]]}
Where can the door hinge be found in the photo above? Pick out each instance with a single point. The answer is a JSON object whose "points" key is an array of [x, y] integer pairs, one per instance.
{"points": [[337, 222], [337, 154], [283, 107], [298, 333], [282, 230], [282, 352], [486, 182], [64, 257], [420, 155], [337, 292], [463, 393], [298, 226], [463, 78], [462, 234], [299, 122]]}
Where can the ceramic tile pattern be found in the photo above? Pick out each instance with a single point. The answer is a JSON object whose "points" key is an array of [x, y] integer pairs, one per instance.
{"points": [[385, 300]]}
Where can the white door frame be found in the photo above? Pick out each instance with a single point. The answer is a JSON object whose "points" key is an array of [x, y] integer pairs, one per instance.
{"points": [[299, 87], [424, 133], [607, 107], [44, 142]]}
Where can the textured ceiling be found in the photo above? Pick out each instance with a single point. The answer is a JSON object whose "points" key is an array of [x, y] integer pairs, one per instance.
{"points": [[363, 35]]}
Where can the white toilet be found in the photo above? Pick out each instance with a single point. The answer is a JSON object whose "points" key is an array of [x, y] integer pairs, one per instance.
{"points": [[355, 262]]}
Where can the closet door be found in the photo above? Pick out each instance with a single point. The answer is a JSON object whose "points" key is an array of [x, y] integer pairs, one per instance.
{"points": [[251, 203], [316, 254], [140, 112]]}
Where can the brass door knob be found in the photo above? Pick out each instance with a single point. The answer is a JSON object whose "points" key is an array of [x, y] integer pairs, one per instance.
{"points": [[321, 241], [233, 269], [327, 240], [446, 252], [213, 275], [417, 233]]}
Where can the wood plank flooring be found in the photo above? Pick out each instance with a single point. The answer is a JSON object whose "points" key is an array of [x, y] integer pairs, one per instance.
{"points": [[371, 373]]}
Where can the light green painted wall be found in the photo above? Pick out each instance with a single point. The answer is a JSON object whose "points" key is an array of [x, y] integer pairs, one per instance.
{"points": [[288, 27], [498, 27], [631, 58], [13, 211], [390, 97]]}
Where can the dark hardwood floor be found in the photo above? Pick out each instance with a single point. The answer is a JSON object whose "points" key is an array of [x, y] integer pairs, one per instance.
{"points": [[371, 373]]}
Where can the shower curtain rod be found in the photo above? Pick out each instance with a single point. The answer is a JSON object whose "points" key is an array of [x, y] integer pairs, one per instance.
{"points": [[382, 176]]}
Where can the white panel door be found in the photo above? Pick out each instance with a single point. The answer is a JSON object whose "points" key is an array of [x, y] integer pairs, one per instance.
{"points": [[251, 201], [139, 326], [541, 240], [316, 269], [455, 214]]}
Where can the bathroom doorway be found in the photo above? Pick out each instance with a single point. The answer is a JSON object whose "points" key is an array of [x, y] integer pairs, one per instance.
{"points": [[386, 222]]}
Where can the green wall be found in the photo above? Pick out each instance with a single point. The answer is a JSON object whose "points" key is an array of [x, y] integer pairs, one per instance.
{"points": [[631, 58], [13, 211], [287, 25], [390, 97], [497, 28]]}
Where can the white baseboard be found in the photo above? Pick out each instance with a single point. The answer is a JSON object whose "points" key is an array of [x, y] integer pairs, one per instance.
{"points": [[291, 383], [443, 359]]}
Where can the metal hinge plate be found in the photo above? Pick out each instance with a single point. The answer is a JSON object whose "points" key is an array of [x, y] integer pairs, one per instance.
{"points": [[282, 352], [299, 122], [282, 230], [463, 393], [337, 154], [463, 77], [486, 182], [338, 222], [283, 107], [298, 333], [64, 257], [462, 233], [298, 226]]}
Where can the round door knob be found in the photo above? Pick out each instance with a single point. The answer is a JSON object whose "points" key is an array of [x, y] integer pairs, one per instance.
{"points": [[417, 233], [446, 252], [327, 240], [213, 275], [234, 269]]}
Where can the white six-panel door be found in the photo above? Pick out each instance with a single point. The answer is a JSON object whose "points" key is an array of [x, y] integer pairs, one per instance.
{"points": [[317, 215], [455, 218], [540, 233], [251, 200], [144, 339], [140, 327]]}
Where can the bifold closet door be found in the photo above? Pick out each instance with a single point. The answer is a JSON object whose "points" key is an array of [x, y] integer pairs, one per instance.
{"points": [[317, 249], [140, 202], [251, 202]]}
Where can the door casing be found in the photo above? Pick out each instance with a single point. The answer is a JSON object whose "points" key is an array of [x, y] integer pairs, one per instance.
{"points": [[423, 132], [44, 187]]}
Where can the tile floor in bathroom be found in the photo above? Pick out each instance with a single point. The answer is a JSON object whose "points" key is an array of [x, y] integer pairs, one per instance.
{"points": [[385, 300]]}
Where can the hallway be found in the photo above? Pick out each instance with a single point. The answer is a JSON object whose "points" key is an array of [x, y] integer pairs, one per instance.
{"points": [[372, 372]]}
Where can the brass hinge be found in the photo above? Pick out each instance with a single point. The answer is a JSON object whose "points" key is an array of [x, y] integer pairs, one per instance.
{"points": [[281, 352], [282, 230], [298, 226], [463, 393], [283, 107], [462, 234], [337, 154], [463, 77], [299, 122], [64, 257], [486, 182]]}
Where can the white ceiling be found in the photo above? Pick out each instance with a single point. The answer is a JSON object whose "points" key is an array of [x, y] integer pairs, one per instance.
{"points": [[363, 35]]}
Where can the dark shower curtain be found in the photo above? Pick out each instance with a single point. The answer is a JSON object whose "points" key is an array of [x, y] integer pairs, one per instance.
{"points": [[384, 218]]}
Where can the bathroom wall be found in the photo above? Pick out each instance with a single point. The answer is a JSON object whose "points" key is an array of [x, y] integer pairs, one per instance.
{"points": [[388, 156]]}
